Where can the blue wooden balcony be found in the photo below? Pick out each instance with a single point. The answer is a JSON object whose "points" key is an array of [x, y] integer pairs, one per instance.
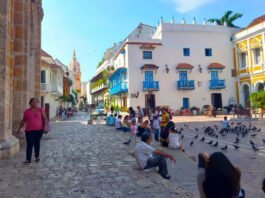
{"points": [[217, 84], [119, 88], [185, 85], [151, 86]]}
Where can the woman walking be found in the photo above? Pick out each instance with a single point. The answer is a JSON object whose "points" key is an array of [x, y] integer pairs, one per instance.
{"points": [[36, 124]]}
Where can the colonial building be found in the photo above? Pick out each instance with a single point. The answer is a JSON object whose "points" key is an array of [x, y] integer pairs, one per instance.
{"points": [[99, 83], [52, 76], [250, 59], [75, 72], [20, 41], [175, 65]]}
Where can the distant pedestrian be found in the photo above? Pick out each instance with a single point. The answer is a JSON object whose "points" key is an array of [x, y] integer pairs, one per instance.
{"points": [[133, 130], [126, 124], [156, 125], [164, 120], [36, 124], [140, 114], [131, 113]]}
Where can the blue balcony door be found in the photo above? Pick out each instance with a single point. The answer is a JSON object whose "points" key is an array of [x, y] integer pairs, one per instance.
{"points": [[183, 76], [149, 76], [186, 103], [214, 75]]}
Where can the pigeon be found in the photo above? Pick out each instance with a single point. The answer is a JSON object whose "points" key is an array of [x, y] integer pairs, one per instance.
{"points": [[196, 129], [258, 129], [216, 136], [251, 142], [263, 141], [127, 142], [237, 141], [202, 139], [210, 142], [196, 136], [191, 143], [255, 148], [224, 148], [216, 144], [182, 137], [236, 147], [253, 135]]}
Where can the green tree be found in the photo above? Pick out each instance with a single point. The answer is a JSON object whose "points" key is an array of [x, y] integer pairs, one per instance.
{"points": [[228, 18], [258, 99]]}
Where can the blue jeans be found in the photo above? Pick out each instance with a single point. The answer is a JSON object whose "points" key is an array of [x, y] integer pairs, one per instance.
{"points": [[125, 129], [156, 133], [157, 160]]}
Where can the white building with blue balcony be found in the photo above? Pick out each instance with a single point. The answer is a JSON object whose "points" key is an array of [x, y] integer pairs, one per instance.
{"points": [[176, 65]]}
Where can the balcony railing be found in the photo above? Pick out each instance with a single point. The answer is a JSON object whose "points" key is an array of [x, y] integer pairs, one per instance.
{"points": [[45, 87], [217, 84], [102, 86], [185, 85], [150, 85], [119, 88]]}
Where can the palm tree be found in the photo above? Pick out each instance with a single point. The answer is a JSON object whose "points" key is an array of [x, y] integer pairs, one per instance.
{"points": [[228, 18]]}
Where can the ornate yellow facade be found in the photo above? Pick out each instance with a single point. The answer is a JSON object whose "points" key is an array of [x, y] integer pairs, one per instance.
{"points": [[249, 61]]}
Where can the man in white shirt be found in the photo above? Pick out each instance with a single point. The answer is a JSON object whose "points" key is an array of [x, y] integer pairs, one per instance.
{"points": [[140, 114], [149, 157], [118, 124]]}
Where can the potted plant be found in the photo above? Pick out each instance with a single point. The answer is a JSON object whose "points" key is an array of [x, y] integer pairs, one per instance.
{"points": [[194, 110], [185, 112], [257, 100]]}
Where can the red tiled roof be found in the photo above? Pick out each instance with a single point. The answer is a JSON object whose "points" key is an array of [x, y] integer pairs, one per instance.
{"points": [[149, 66], [142, 43], [216, 66], [45, 54], [184, 66], [257, 20]]}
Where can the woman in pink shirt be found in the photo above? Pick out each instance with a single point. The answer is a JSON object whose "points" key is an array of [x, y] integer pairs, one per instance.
{"points": [[36, 123]]}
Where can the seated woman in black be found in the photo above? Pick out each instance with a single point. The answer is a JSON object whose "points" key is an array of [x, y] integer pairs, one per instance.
{"points": [[144, 127], [165, 133], [222, 179]]}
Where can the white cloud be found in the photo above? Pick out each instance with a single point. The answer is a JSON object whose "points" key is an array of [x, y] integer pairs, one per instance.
{"points": [[189, 5]]}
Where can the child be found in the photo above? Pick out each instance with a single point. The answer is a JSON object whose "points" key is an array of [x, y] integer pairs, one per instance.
{"points": [[173, 140], [118, 124], [203, 159], [133, 130], [225, 123]]}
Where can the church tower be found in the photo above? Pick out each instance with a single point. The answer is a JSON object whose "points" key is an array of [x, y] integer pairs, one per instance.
{"points": [[75, 69]]}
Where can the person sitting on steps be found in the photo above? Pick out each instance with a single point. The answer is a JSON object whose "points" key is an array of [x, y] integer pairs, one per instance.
{"points": [[148, 157]]}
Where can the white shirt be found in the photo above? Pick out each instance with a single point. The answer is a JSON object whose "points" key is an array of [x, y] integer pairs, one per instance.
{"points": [[156, 123], [143, 152], [174, 140], [140, 113], [118, 123]]}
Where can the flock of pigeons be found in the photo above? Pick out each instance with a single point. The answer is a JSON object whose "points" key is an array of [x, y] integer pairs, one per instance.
{"points": [[238, 129]]}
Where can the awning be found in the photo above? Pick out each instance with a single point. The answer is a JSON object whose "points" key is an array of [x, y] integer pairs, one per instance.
{"points": [[216, 66], [149, 67], [184, 66]]}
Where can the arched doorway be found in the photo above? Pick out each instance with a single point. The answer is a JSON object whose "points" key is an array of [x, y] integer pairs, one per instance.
{"points": [[246, 94], [260, 87]]}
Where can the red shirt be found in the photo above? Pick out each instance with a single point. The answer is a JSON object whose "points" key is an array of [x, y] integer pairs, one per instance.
{"points": [[33, 119]]}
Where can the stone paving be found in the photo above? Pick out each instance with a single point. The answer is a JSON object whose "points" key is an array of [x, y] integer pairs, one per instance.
{"points": [[79, 160]]}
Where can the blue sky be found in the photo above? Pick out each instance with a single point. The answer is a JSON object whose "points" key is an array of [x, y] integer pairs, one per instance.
{"points": [[90, 27]]}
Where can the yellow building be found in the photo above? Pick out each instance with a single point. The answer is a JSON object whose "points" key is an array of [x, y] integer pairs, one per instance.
{"points": [[249, 59]]}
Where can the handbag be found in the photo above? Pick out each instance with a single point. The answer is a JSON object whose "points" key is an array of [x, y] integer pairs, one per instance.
{"points": [[48, 124]]}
